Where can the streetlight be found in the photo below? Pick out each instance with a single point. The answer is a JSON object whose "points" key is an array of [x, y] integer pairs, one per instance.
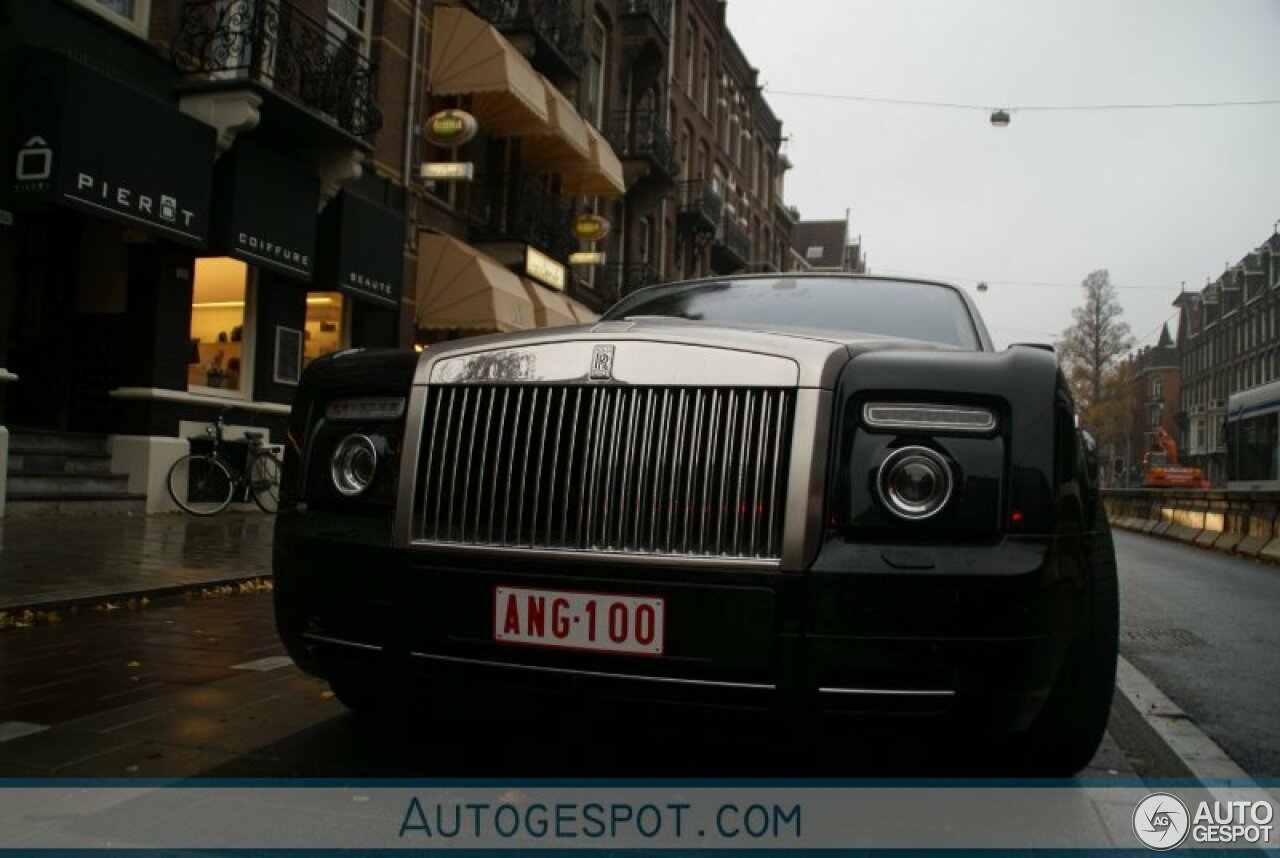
{"points": [[1000, 118]]}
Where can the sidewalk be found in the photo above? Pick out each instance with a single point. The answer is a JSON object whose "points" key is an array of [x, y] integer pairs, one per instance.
{"points": [[61, 560]]}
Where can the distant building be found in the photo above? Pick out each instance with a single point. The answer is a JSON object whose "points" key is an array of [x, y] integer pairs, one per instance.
{"points": [[1155, 373], [1228, 340], [824, 245]]}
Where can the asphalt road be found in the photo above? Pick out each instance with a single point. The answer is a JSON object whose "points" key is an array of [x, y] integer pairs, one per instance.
{"points": [[1206, 628]]}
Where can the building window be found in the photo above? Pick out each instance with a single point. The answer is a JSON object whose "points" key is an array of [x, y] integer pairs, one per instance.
{"points": [[644, 241], [596, 58], [1157, 415], [706, 79], [1157, 387], [327, 327], [349, 21], [686, 152], [218, 361], [690, 39], [131, 14]]}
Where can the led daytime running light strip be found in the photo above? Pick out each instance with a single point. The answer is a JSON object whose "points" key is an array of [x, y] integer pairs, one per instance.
{"points": [[922, 416]]}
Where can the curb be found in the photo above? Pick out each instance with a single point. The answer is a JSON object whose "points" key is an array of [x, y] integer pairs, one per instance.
{"points": [[1243, 548], [58, 603]]}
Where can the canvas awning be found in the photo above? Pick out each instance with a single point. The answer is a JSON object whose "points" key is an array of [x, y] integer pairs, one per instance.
{"points": [[550, 308], [460, 287], [564, 143], [581, 313], [470, 58], [602, 174]]}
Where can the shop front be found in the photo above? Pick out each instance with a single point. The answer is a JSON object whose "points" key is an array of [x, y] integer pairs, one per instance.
{"points": [[147, 283]]}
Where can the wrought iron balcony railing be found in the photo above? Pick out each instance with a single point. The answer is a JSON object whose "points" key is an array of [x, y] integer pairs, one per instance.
{"points": [[514, 207], [731, 248], [621, 279], [700, 205], [658, 11], [275, 43], [642, 136], [553, 21]]}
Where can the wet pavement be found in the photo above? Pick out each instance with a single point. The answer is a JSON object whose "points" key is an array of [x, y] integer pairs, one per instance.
{"points": [[193, 681], [199, 686], [56, 561]]}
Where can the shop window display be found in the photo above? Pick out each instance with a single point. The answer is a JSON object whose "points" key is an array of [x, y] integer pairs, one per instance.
{"points": [[326, 326], [217, 355]]}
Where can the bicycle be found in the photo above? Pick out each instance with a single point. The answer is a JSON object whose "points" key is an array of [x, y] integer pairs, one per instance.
{"points": [[204, 483]]}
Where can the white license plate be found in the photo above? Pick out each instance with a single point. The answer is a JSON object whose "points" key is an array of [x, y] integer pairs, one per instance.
{"points": [[574, 620]]}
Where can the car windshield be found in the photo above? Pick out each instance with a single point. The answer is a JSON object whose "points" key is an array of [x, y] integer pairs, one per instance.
{"points": [[869, 305]]}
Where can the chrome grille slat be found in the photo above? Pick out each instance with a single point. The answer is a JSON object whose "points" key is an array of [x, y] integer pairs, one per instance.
{"points": [[655, 471]]}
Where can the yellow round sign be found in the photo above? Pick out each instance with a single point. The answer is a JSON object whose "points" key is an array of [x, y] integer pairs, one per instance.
{"points": [[449, 128], [591, 227]]}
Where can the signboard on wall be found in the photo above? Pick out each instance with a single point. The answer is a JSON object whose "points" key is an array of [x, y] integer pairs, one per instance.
{"points": [[265, 210], [288, 356], [361, 250], [84, 141]]}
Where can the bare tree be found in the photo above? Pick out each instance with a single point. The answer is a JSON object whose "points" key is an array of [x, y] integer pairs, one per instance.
{"points": [[1091, 353]]}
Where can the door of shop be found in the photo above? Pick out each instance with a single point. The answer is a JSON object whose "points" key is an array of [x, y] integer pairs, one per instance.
{"points": [[66, 361]]}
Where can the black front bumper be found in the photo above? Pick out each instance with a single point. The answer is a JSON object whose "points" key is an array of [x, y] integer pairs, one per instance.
{"points": [[974, 634]]}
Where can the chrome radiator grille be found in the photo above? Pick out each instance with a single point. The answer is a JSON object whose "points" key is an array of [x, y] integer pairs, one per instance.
{"points": [[640, 470]]}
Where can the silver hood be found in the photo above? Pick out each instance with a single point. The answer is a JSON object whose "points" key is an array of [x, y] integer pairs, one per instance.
{"points": [[656, 350]]}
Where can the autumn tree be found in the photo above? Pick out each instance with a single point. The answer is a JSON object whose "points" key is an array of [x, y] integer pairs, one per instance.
{"points": [[1092, 352]]}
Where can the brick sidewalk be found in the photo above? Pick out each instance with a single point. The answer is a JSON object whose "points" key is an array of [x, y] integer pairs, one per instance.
{"points": [[61, 560]]}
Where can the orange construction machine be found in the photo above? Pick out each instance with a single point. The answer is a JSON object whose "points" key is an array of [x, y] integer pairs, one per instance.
{"points": [[1162, 468]]}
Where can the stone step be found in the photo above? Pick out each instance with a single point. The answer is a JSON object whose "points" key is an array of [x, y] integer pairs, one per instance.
{"points": [[33, 504], [69, 461], [50, 440], [64, 484]]}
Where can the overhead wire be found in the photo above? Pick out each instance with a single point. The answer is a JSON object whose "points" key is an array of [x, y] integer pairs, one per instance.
{"points": [[954, 105]]}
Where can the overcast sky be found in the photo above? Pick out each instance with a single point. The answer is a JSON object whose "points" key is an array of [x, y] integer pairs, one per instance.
{"points": [[1157, 197]]}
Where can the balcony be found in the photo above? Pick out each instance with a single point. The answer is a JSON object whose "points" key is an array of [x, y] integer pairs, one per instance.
{"points": [[556, 32], [620, 280], [700, 208], [646, 38], [277, 45], [645, 146], [731, 247], [515, 208]]}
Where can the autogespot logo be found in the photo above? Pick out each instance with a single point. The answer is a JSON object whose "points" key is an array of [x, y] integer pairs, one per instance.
{"points": [[1161, 821]]}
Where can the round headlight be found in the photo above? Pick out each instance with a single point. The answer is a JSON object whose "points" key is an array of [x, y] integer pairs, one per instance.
{"points": [[354, 463], [914, 483]]}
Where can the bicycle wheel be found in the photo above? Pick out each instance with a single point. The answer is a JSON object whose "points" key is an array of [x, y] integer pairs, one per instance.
{"points": [[264, 481], [200, 485]]}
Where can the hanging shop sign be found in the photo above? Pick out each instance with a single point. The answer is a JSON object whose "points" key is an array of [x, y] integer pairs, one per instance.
{"points": [[265, 210], [591, 227], [449, 128], [544, 269], [451, 171], [361, 249], [71, 148]]}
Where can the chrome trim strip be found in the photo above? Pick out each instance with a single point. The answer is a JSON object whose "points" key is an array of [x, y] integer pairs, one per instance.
{"points": [[806, 482], [709, 683], [312, 636], [597, 556], [887, 692], [636, 362], [410, 451]]}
